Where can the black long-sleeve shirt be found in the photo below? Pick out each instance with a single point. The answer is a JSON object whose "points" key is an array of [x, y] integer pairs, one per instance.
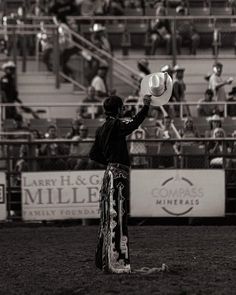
{"points": [[110, 143], [8, 88]]}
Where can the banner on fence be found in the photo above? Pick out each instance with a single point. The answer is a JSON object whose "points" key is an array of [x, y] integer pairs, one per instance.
{"points": [[61, 195], [177, 193], [3, 202]]}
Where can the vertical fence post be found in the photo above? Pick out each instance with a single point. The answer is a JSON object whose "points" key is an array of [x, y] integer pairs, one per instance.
{"points": [[173, 39], [15, 51], [8, 183], [110, 74], [56, 57], [37, 44], [24, 54]]}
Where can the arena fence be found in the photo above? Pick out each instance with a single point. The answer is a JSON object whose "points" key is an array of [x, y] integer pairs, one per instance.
{"points": [[28, 171]]}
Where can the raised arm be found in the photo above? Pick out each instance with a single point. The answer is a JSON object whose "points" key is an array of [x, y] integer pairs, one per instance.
{"points": [[124, 129]]}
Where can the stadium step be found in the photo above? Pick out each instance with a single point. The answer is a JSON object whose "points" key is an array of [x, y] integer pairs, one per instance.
{"points": [[39, 87]]}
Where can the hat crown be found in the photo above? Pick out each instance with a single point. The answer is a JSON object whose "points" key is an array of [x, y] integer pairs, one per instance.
{"points": [[159, 85], [215, 118], [98, 27], [156, 84]]}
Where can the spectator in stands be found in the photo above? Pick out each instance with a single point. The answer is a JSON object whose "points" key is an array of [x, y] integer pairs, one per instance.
{"points": [[168, 69], [92, 7], [9, 93], [186, 32], [215, 122], [21, 165], [138, 149], [160, 31], [67, 49], [62, 8], [166, 149], [53, 152], [90, 111], [99, 37], [135, 3], [143, 70], [217, 84], [218, 148], [36, 9], [231, 108], [115, 7], [80, 150], [207, 110], [31, 151], [189, 130], [176, 3], [231, 165], [99, 82], [130, 110], [76, 123], [46, 46], [232, 3], [178, 93]]}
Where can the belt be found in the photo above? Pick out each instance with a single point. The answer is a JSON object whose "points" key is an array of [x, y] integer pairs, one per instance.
{"points": [[120, 166]]}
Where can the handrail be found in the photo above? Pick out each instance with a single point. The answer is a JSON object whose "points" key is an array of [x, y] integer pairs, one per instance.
{"points": [[91, 140], [61, 104], [95, 51], [174, 17], [126, 17], [103, 52], [74, 82]]}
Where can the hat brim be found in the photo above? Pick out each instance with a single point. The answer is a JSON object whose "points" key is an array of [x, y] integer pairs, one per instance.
{"points": [[215, 120], [97, 30], [157, 100]]}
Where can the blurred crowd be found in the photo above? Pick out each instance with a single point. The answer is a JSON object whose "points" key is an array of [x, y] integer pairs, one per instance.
{"points": [[166, 152]]}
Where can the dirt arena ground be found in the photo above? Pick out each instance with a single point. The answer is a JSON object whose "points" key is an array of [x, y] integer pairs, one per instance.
{"points": [[60, 260]]}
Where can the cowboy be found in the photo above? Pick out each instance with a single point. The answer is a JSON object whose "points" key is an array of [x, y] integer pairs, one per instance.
{"points": [[110, 149], [9, 93]]}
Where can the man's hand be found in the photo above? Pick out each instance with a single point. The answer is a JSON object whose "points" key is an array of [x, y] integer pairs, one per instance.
{"points": [[147, 100]]}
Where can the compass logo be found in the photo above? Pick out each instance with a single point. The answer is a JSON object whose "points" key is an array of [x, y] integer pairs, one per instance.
{"points": [[177, 195]]}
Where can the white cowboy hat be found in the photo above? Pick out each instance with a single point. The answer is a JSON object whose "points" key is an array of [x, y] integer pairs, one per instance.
{"points": [[97, 28], [159, 85], [178, 68], [9, 64], [215, 117]]}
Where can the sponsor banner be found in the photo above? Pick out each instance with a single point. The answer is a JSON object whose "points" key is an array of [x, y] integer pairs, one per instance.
{"points": [[177, 193], [61, 195], [3, 203]]}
